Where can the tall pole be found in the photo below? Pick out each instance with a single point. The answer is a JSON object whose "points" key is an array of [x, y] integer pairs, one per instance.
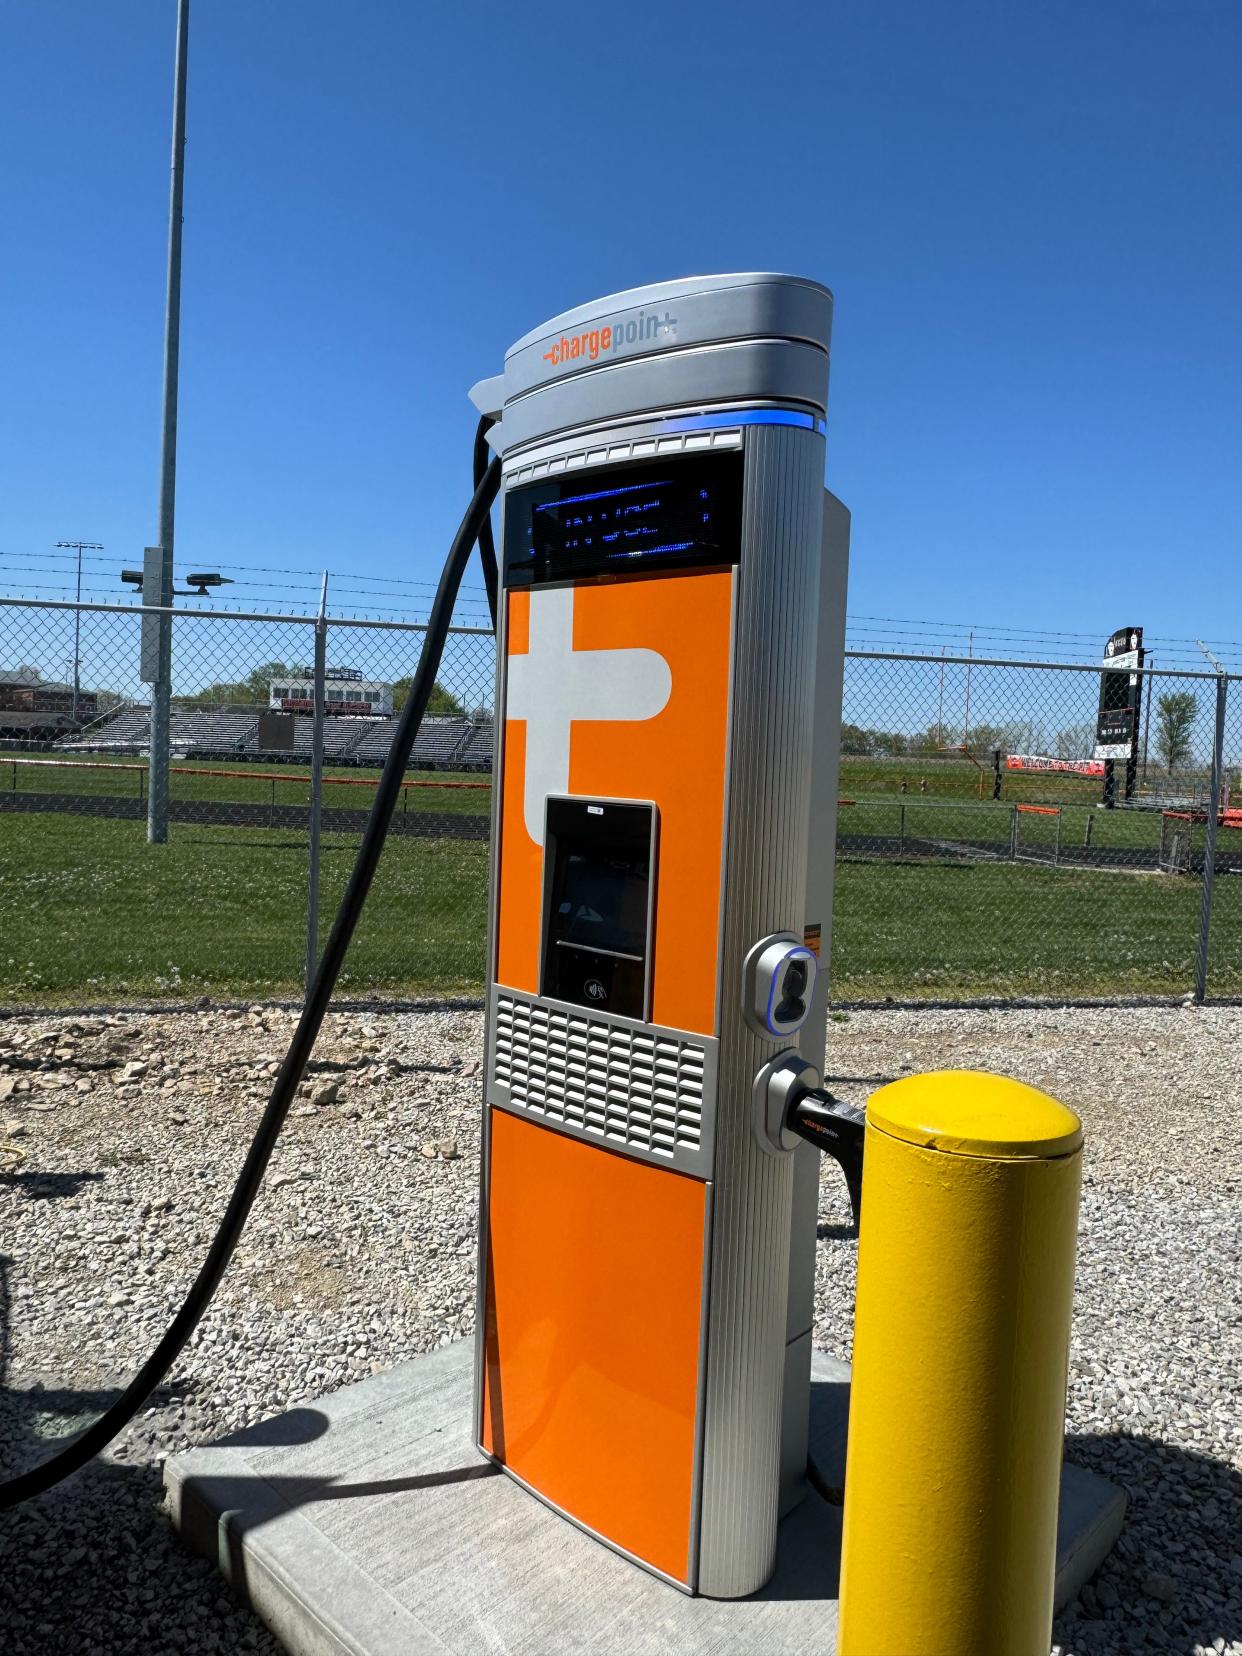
{"points": [[78, 546], [161, 689]]}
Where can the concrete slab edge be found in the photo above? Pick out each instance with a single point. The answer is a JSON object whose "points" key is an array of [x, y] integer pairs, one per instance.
{"points": [[266, 1578]]}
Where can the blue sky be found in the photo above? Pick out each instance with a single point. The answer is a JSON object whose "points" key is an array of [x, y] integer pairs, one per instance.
{"points": [[1030, 217]]}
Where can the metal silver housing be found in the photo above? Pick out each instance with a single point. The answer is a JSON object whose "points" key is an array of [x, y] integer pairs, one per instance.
{"points": [[741, 344]]}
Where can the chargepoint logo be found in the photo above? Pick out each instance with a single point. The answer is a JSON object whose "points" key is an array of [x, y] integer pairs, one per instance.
{"points": [[613, 340]]}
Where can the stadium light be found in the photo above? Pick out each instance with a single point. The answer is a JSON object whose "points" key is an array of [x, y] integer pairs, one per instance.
{"points": [[196, 586], [78, 546], [199, 583]]}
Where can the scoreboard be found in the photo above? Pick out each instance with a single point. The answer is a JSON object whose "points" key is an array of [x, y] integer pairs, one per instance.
{"points": [[1121, 696]]}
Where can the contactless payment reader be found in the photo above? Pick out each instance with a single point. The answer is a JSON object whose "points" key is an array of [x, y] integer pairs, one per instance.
{"points": [[668, 707]]}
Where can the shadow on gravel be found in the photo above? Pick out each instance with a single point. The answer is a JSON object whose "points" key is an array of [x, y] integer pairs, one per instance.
{"points": [[1182, 1535], [40, 1421], [47, 1187], [95, 1566]]}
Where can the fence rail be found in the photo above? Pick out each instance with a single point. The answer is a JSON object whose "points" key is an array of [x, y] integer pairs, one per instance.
{"points": [[976, 854]]}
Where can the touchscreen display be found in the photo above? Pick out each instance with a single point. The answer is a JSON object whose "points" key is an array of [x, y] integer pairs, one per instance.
{"points": [[603, 903], [598, 903]]}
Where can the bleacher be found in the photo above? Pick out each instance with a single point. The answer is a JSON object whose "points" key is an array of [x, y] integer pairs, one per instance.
{"points": [[340, 738], [371, 747], [480, 748], [214, 732], [438, 744], [190, 732], [126, 731], [452, 743]]}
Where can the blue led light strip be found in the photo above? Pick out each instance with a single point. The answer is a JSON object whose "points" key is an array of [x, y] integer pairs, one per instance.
{"points": [[744, 417]]}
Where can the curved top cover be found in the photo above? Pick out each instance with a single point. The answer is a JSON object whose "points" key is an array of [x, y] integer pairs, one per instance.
{"points": [[753, 336], [970, 1113]]}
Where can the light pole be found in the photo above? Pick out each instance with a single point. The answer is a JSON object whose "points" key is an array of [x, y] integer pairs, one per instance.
{"points": [[158, 588], [79, 547]]}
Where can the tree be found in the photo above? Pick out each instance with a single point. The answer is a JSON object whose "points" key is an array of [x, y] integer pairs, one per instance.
{"points": [[1075, 741], [1175, 718], [441, 701], [252, 691]]}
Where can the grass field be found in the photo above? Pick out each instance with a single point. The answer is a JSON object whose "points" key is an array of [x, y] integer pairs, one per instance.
{"points": [[350, 789], [89, 912]]}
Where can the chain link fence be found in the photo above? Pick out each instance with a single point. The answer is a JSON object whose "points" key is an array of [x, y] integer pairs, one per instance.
{"points": [[976, 855], [267, 800]]}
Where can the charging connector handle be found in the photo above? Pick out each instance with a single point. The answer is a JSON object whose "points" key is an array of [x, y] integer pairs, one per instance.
{"points": [[836, 1128]]}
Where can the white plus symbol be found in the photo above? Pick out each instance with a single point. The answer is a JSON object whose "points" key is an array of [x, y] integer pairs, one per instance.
{"points": [[554, 686]]}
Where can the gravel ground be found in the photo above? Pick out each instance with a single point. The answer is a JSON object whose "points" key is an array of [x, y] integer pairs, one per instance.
{"points": [[360, 1253]]}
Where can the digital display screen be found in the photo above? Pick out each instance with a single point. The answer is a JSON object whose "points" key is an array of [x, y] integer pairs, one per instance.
{"points": [[603, 903], [625, 520], [597, 919]]}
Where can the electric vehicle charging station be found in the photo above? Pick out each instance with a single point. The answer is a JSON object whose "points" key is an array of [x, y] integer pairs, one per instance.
{"points": [[670, 641], [670, 633]]}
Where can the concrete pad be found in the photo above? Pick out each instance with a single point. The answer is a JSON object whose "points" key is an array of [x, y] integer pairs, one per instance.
{"points": [[368, 1525]]}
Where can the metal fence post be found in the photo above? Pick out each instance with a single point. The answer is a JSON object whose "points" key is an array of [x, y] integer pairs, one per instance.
{"points": [[316, 795], [1209, 842], [160, 728]]}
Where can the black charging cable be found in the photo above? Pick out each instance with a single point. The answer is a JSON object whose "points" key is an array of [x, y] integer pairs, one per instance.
{"points": [[487, 545], [101, 1432]]}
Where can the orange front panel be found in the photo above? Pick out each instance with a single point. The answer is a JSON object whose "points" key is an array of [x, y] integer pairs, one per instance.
{"points": [[675, 757], [594, 1287]]}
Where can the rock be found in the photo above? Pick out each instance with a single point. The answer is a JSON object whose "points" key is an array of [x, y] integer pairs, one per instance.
{"points": [[448, 1149], [325, 1092], [133, 1069], [1158, 1586], [360, 1264]]}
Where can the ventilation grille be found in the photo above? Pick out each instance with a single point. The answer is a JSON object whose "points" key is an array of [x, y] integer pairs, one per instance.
{"points": [[635, 1088], [610, 453]]}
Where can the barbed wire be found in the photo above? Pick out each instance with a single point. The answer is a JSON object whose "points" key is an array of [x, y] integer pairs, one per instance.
{"points": [[366, 597]]}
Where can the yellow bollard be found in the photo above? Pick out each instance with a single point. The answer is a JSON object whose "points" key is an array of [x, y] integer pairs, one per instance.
{"points": [[961, 1337]]}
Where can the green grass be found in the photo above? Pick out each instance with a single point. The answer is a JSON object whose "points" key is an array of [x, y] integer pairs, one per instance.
{"points": [[911, 930], [926, 818], [90, 912], [246, 784]]}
